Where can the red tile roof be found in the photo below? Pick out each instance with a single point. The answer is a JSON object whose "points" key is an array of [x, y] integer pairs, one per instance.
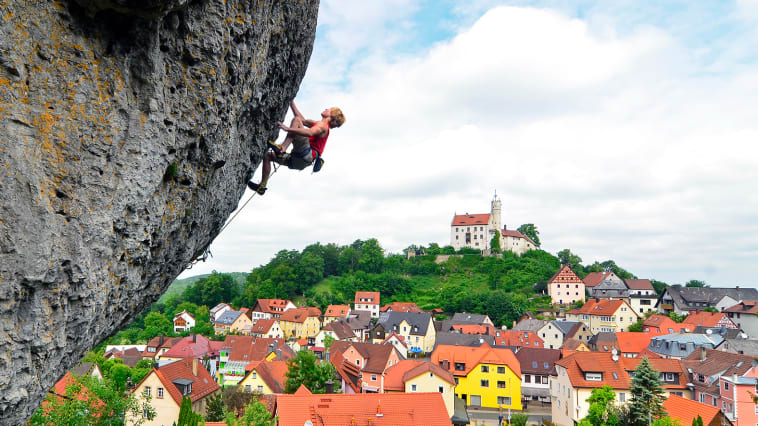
{"points": [[594, 278], [402, 307], [475, 329], [202, 383], [471, 219], [337, 311], [631, 342], [516, 234], [373, 296], [299, 315], [397, 409], [263, 326], [84, 394], [746, 306], [266, 305], [249, 348], [709, 319], [396, 376], [604, 307], [687, 410], [616, 373], [473, 356], [639, 284], [195, 346], [159, 342], [376, 356], [565, 275], [271, 372], [519, 339]]}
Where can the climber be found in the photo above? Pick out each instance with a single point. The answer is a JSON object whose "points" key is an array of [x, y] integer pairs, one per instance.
{"points": [[308, 139]]}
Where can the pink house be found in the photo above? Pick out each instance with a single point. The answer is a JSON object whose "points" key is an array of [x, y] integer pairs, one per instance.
{"points": [[373, 361], [737, 397], [727, 381]]}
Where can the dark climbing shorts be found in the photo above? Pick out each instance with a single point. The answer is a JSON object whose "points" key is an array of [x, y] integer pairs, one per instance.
{"points": [[301, 156]]}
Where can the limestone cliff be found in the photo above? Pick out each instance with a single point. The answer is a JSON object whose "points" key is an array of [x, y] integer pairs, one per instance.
{"points": [[128, 129]]}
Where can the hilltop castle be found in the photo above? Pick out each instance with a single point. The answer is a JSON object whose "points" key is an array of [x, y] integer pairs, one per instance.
{"points": [[476, 231]]}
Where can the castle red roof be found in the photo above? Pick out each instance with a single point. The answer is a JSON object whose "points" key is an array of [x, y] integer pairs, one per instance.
{"points": [[471, 219]]}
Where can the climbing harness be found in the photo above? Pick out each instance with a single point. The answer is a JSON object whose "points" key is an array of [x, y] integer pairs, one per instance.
{"points": [[207, 253]]}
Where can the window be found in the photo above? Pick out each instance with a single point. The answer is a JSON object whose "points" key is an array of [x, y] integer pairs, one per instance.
{"points": [[146, 413], [146, 392], [527, 378], [534, 364], [485, 383], [260, 389], [413, 388], [456, 382], [440, 389], [726, 385], [248, 388], [373, 377], [593, 377], [702, 397], [622, 397], [255, 375], [501, 384], [160, 392], [485, 369], [460, 366], [723, 405], [545, 365], [501, 370], [545, 380], [504, 400]]}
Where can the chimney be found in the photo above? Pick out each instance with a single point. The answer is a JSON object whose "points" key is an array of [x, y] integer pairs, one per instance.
{"points": [[194, 338], [329, 386], [379, 409], [194, 367], [160, 340], [702, 353], [738, 288]]}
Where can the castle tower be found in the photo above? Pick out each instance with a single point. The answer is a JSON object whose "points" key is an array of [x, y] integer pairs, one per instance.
{"points": [[495, 214]]}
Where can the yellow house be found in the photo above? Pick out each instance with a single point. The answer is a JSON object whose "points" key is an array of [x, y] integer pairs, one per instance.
{"points": [[421, 376], [266, 377], [485, 376], [417, 330], [167, 385], [232, 321], [604, 315], [300, 323]]}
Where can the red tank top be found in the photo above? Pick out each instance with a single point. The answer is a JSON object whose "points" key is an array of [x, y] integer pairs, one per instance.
{"points": [[318, 143]]}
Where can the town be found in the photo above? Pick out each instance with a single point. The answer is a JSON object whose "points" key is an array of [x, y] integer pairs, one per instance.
{"points": [[580, 360]]}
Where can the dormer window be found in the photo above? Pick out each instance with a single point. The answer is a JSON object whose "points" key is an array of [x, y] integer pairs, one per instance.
{"points": [[184, 386], [593, 377]]}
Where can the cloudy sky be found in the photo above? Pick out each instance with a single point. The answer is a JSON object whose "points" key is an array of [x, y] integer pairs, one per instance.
{"points": [[623, 130]]}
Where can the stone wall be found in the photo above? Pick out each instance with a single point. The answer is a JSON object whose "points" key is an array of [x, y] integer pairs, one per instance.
{"points": [[128, 129]]}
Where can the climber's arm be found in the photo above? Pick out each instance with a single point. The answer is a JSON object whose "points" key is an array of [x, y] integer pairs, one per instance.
{"points": [[316, 129]]}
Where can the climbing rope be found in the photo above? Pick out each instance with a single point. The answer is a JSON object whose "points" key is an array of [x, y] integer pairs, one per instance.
{"points": [[207, 253]]}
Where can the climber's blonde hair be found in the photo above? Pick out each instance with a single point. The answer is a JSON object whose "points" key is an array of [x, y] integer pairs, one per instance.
{"points": [[337, 118]]}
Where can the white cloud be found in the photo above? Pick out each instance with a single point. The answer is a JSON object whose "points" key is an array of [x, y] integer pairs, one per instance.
{"points": [[617, 146]]}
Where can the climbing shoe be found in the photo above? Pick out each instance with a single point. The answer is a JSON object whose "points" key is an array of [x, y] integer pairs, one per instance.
{"points": [[276, 148], [256, 187]]}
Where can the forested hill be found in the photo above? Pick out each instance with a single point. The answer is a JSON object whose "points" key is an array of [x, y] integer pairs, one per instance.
{"points": [[502, 286]]}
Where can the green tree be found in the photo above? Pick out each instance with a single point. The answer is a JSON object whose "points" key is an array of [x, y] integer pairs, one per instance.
{"points": [[666, 421], [495, 243], [215, 409], [647, 394], [155, 325], [303, 370], [659, 286], [530, 230], [519, 419], [328, 340], [371, 257], [601, 411], [347, 260], [679, 318], [567, 258], [256, 414], [696, 283], [187, 417], [637, 326], [310, 270], [697, 421]]}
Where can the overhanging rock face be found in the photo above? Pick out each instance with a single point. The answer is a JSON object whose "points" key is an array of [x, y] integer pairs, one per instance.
{"points": [[128, 129]]}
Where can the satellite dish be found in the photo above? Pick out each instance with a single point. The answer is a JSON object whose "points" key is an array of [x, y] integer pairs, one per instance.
{"points": [[308, 423]]}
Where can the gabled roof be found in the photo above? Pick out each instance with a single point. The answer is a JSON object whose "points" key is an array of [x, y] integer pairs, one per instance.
{"points": [[565, 275], [263, 326], [249, 349], [349, 372], [603, 307], [399, 338], [228, 317], [460, 339], [419, 322], [359, 320], [160, 342], [573, 344], [686, 410], [271, 372], [130, 356], [518, 339], [183, 313], [266, 305], [341, 329], [719, 363], [684, 297], [195, 346], [594, 278], [515, 234], [337, 311], [664, 324], [475, 329], [529, 324], [538, 360], [568, 328], [631, 342], [709, 319], [401, 307], [84, 394], [377, 356], [397, 409], [467, 318], [218, 308], [299, 315], [745, 306], [396, 376], [471, 219], [473, 356], [639, 284], [615, 373], [373, 297], [202, 383]]}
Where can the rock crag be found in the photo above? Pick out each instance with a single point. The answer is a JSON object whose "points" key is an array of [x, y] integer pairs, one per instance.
{"points": [[128, 129]]}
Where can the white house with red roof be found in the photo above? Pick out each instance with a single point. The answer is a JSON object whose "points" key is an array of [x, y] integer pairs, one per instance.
{"points": [[565, 287], [183, 321], [271, 308], [368, 301], [476, 231]]}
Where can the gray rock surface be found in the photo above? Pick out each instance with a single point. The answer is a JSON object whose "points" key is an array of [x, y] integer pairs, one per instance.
{"points": [[128, 129]]}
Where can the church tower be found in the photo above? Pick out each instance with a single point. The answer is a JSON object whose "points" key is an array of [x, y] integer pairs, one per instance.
{"points": [[496, 223]]}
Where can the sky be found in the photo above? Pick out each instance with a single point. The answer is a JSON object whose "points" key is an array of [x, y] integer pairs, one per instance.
{"points": [[623, 130]]}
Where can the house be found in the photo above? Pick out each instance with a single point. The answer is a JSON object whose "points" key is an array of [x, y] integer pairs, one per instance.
{"points": [[238, 352], [304, 408], [459, 339], [266, 377], [477, 230], [158, 345], [460, 318], [336, 312], [682, 300], [572, 345], [681, 345], [555, 333], [270, 308], [401, 307], [350, 374], [231, 320], [398, 342], [183, 321], [611, 287], [537, 365], [300, 322], [485, 376], [338, 330], [367, 301], [218, 310], [578, 374], [63, 389], [417, 330], [168, 384], [194, 346], [727, 381], [373, 360], [662, 324], [745, 315], [605, 341], [642, 295], [360, 323], [421, 376], [604, 315], [529, 323], [484, 329], [710, 320], [267, 328], [518, 339], [686, 411], [130, 356], [594, 278], [565, 287], [740, 346], [87, 369], [631, 344]]}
